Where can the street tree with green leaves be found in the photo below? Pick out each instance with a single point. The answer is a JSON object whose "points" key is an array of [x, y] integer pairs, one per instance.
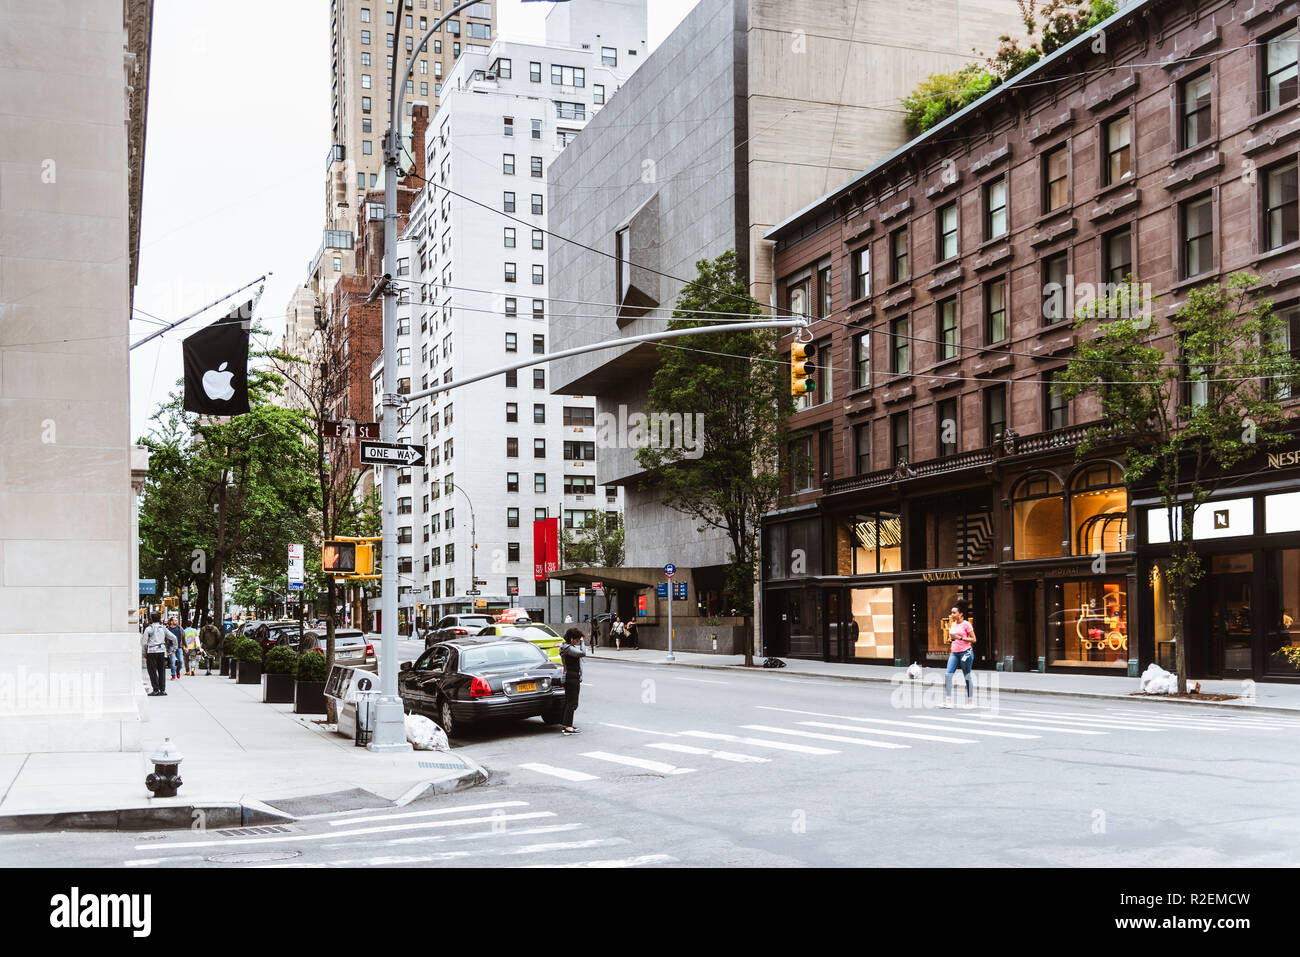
{"points": [[1190, 404], [734, 384], [599, 543]]}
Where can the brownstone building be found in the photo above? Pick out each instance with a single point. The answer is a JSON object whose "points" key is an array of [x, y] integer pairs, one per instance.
{"points": [[1163, 144]]}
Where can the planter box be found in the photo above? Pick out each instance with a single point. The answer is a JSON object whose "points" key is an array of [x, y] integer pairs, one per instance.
{"points": [[226, 662], [308, 697], [277, 689], [250, 673]]}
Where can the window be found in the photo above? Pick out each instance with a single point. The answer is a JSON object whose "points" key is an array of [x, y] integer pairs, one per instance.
{"points": [[365, 104], [365, 128], [579, 416], [512, 518], [1098, 510], [608, 56], [365, 37], [501, 68], [946, 427], [512, 481], [1117, 255], [1038, 517], [598, 93], [580, 451], [1056, 179], [902, 346], [1194, 111], [862, 360], [862, 448], [1281, 210], [338, 266], [570, 111], [1056, 268], [995, 208], [510, 272], [862, 272], [1197, 228], [535, 72], [404, 357], [478, 31], [512, 446], [539, 345], [539, 309], [366, 147], [1056, 410], [946, 221], [508, 202], [995, 311], [512, 379], [539, 481], [537, 129], [995, 413], [539, 448], [539, 515], [512, 306], [568, 75], [1118, 137], [508, 163], [800, 464], [537, 204], [535, 165], [824, 289], [900, 431], [539, 378], [579, 485], [1280, 76], [947, 313], [512, 554], [898, 270], [512, 342], [537, 239], [365, 14], [539, 413], [539, 274]]}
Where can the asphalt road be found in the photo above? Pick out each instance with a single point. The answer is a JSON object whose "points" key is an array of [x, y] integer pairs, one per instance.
{"points": [[680, 766]]}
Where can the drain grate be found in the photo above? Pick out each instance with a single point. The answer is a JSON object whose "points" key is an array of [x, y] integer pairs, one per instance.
{"points": [[257, 829], [253, 857], [437, 764]]}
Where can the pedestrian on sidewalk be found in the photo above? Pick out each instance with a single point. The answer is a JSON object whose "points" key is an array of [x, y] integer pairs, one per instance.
{"points": [[191, 651], [175, 647], [630, 631], [155, 653], [616, 630], [962, 635], [595, 634], [572, 653]]}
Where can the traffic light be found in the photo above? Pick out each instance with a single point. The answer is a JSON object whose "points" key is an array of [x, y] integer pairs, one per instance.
{"points": [[365, 558], [801, 368], [339, 558]]}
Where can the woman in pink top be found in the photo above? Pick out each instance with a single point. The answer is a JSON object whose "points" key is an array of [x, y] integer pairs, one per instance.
{"points": [[962, 636]]}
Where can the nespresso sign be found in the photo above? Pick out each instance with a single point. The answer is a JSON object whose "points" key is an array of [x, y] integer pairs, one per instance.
{"points": [[1282, 460]]}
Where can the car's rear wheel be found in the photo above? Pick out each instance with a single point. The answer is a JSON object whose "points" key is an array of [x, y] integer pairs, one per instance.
{"points": [[446, 718]]}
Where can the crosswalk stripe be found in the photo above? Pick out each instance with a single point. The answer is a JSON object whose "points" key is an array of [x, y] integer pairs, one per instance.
{"points": [[1149, 720], [964, 721], [892, 734], [906, 724], [1224, 719], [565, 773], [344, 822], [657, 766], [1100, 723], [472, 836], [624, 862], [709, 753], [759, 742], [392, 860], [888, 745]]}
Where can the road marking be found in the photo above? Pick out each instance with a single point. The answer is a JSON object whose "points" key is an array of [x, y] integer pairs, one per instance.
{"points": [[903, 724], [1223, 720], [759, 742], [392, 860], [624, 862], [703, 681], [334, 835], [710, 753], [563, 773], [889, 745], [447, 810], [628, 727], [891, 734], [962, 721], [153, 861], [1118, 724], [472, 836], [657, 766]]}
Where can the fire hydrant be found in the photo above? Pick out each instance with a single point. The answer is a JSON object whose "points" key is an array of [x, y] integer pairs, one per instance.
{"points": [[166, 777]]}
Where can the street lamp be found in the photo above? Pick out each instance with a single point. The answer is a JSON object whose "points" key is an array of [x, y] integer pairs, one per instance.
{"points": [[473, 543], [390, 725]]}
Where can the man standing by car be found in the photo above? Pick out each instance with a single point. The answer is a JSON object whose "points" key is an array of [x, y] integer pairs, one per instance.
{"points": [[572, 653]]}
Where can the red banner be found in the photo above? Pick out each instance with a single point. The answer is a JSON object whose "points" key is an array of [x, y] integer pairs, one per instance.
{"points": [[546, 547]]}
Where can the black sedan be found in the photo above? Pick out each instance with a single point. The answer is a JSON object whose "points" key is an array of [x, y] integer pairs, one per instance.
{"points": [[469, 680]]}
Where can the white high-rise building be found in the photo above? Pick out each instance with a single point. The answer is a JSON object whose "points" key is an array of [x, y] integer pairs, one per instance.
{"points": [[502, 452]]}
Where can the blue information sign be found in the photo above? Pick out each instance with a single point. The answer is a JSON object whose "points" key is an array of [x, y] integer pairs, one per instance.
{"points": [[661, 590], [148, 586], [679, 591]]}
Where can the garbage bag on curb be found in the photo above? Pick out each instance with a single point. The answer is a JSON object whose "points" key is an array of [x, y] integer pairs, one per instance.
{"points": [[424, 734], [1155, 680]]}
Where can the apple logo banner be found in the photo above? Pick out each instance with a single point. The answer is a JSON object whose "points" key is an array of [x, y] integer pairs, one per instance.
{"points": [[216, 369]]}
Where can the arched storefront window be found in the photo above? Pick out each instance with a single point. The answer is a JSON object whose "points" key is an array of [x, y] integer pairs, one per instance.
{"points": [[1038, 505], [1098, 510]]}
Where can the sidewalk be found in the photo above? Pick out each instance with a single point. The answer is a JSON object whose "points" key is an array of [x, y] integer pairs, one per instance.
{"points": [[1268, 696], [244, 762]]}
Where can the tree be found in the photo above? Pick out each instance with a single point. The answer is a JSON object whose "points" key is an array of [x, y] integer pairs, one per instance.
{"points": [[599, 542], [732, 386], [1185, 424]]}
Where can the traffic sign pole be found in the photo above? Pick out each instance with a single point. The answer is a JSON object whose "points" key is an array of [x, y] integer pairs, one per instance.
{"points": [[669, 570]]}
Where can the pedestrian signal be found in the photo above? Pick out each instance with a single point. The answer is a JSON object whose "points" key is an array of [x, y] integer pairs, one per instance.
{"points": [[339, 557]]}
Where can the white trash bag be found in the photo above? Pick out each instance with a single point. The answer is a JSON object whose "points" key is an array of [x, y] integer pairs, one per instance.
{"points": [[424, 734], [914, 672], [1155, 680]]}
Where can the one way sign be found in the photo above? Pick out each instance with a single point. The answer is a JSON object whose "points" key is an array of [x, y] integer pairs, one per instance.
{"points": [[391, 453]]}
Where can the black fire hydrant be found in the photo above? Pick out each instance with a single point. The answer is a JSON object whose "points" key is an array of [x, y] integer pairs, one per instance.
{"points": [[166, 777]]}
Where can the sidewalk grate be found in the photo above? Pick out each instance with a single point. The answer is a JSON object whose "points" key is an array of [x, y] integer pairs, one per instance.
{"points": [[261, 829], [440, 765]]}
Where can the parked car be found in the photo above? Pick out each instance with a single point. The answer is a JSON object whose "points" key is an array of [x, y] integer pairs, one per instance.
{"points": [[468, 680], [351, 647], [543, 636], [456, 626]]}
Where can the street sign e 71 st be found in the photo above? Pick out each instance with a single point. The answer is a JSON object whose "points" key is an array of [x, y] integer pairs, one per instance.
{"points": [[391, 453]]}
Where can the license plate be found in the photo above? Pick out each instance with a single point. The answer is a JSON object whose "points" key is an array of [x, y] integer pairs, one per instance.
{"points": [[526, 686]]}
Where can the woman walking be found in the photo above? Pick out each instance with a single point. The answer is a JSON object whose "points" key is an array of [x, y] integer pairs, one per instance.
{"points": [[962, 635]]}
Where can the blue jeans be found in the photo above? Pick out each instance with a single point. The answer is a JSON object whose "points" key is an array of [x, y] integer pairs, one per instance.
{"points": [[965, 659]]}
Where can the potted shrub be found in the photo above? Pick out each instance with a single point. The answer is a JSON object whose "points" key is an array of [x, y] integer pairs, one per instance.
{"points": [[248, 653], [228, 654], [279, 672], [309, 689]]}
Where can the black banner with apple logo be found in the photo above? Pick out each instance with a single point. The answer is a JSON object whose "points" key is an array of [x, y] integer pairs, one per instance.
{"points": [[216, 366]]}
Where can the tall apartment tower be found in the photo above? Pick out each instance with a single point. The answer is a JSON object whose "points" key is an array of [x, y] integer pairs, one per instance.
{"points": [[474, 259]]}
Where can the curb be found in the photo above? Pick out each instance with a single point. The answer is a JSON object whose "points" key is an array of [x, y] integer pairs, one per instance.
{"points": [[1217, 705]]}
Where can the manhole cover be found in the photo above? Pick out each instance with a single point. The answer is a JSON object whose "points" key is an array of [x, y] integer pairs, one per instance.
{"points": [[253, 857]]}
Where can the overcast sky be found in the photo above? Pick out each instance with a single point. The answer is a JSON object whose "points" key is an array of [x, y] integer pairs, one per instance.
{"points": [[238, 133]]}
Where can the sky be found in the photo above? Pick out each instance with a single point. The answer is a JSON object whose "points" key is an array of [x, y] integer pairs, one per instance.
{"points": [[237, 136]]}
